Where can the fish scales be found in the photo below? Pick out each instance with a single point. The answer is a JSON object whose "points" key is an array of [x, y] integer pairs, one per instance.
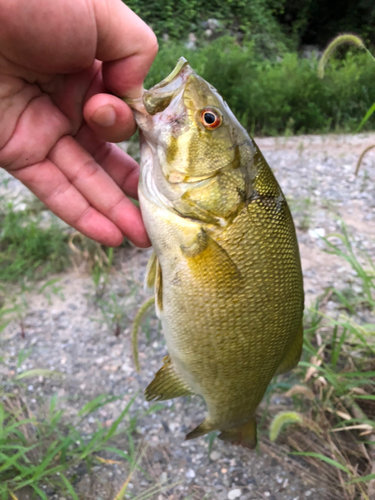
{"points": [[230, 294]]}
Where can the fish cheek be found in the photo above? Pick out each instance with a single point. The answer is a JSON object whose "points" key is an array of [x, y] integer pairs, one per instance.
{"points": [[213, 153]]}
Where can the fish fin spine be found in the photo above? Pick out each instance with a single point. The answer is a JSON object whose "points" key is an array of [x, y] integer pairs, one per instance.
{"points": [[167, 384], [204, 428]]}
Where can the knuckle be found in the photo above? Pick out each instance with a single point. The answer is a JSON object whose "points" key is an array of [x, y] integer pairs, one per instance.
{"points": [[151, 42]]}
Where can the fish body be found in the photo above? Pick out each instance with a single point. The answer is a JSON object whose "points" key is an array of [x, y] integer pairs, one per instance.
{"points": [[226, 266]]}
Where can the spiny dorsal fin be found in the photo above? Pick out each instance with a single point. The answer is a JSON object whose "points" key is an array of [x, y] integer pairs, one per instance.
{"points": [[167, 384]]}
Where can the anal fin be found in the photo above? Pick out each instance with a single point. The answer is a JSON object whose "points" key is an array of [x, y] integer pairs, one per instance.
{"points": [[167, 384], [245, 435], [204, 428]]}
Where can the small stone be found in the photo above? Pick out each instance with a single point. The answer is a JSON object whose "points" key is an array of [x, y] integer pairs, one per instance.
{"points": [[163, 477], [215, 455], [236, 493], [190, 474]]}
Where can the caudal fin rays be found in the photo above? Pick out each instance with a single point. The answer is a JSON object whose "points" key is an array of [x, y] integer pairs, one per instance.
{"points": [[245, 435]]}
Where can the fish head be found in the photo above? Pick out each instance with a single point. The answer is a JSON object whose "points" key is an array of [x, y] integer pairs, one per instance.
{"points": [[191, 131]]}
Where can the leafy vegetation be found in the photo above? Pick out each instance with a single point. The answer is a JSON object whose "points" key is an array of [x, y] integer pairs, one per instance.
{"points": [[255, 19], [274, 97], [272, 24]]}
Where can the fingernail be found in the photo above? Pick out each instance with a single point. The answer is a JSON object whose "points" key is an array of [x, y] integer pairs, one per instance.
{"points": [[105, 116]]}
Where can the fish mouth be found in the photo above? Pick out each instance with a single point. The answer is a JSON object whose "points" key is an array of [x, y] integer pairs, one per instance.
{"points": [[158, 98]]}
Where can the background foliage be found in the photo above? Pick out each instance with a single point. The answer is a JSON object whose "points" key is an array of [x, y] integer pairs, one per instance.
{"points": [[290, 22], [254, 53], [273, 97]]}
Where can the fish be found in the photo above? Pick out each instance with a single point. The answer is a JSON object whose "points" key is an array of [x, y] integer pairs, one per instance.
{"points": [[225, 268]]}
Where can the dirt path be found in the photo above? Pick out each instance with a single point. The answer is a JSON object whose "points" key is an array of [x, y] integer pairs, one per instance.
{"points": [[71, 334]]}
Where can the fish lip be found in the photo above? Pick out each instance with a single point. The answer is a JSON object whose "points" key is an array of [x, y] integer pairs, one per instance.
{"points": [[181, 71], [158, 97]]}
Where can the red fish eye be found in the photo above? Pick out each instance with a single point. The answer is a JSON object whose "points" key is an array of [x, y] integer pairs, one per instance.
{"points": [[210, 118]]}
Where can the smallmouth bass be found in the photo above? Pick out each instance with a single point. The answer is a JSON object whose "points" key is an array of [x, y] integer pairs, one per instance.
{"points": [[226, 267]]}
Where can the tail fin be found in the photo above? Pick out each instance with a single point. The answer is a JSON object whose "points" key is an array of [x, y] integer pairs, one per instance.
{"points": [[205, 427], [246, 435]]}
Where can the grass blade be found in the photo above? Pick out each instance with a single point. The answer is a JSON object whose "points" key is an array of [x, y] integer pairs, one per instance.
{"points": [[69, 487], [328, 460]]}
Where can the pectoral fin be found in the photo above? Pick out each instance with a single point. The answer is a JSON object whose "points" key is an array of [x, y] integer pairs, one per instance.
{"points": [[151, 271], [167, 384], [204, 253], [154, 280], [293, 356]]}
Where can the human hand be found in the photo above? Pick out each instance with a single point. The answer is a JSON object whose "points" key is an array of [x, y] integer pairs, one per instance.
{"points": [[58, 60]]}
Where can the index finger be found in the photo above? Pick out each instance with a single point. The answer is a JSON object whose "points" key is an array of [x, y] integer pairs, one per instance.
{"points": [[126, 45]]}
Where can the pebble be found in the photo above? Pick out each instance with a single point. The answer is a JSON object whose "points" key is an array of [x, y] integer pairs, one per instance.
{"points": [[163, 477], [215, 455], [190, 474], [233, 494]]}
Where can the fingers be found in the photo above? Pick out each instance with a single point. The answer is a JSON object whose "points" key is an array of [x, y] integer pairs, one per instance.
{"points": [[109, 117], [52, 187], [61, 38], [99, 189], [81, 193], [126, 44], [118, 165]]}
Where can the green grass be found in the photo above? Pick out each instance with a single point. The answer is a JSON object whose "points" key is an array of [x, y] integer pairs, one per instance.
{"points": [[45, 453], [29, 249], [333, 387]]}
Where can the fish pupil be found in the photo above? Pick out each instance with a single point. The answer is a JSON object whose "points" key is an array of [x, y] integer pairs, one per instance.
{"points": [[209, 118]]}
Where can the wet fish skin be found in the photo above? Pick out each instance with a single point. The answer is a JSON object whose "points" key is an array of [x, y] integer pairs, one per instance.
{"points": [[226, 270]]}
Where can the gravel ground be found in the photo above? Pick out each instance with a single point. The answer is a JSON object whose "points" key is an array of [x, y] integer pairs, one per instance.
{"points": [[71, 334]]}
